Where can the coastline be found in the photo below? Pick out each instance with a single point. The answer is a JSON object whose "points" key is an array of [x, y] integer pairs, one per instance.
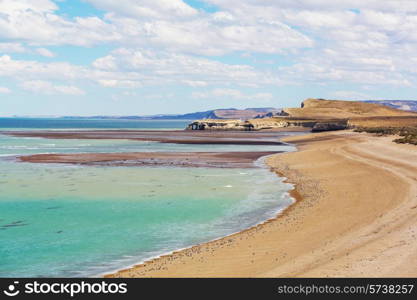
{"points": [[261, 160], [138, 159], [277, 212], [223, 159], [353, 235]]}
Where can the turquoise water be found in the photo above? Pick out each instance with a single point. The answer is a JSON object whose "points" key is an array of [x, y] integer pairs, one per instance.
{"points": [[61, 123], [71, 221]]}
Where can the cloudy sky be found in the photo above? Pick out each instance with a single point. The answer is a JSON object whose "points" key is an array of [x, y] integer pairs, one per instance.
{"points": [[118, 57]]}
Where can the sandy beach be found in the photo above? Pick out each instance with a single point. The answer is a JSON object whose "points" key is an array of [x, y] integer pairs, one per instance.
{"points": [[355, 216]]}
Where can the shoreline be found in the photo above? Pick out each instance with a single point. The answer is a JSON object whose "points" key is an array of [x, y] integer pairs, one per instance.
{"points": [[318, 236], [292, 193], [277, 212], [262, 160], [188, 159], [140, 159], [175, 137]]}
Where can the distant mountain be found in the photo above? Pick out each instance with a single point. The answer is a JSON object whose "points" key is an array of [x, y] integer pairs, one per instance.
{"points": [[228, 113], [409, 105]]}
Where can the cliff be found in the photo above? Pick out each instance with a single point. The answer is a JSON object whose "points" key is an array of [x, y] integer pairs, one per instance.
{"points": [[317, 114], [212, 124], [266, 123]]}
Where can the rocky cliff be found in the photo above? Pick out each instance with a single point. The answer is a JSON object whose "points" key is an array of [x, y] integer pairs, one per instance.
{"points": [[317, 114], [265, 123]]}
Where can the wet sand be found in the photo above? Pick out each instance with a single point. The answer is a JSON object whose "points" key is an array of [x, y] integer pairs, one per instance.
{"points": [[180, 159], [355, 216], [179, 136]]}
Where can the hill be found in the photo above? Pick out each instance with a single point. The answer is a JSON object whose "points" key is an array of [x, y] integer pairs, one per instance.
{"points": [[319, 115], [325, 109]]}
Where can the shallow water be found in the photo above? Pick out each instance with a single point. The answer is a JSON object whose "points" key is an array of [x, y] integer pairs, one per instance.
{"points": [[10, 146], [60, 220]]}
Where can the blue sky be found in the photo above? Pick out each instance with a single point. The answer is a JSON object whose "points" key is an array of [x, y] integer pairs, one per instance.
{"points": [[138, 57]]}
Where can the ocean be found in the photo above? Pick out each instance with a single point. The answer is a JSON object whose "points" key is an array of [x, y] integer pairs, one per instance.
{"points": [[73, 221], [82, 123]]}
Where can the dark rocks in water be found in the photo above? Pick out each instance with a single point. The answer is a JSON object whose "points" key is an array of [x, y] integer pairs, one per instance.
{"points": [[13, 224], [329, 126], [54, 207]]}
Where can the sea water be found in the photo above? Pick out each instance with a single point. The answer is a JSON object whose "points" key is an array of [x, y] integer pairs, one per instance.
{"points": [[64, 220], [91, 123]]}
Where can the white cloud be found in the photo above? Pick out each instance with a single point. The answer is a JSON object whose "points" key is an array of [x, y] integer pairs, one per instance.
{"points": [[38, 6], [206, 36], [4, 90], [146, 8], [350, 95], [170, 24], [7, 48], [224, 93], [327, 5], [45, 52], [36, 22], [132, 68], [168, 42], [12, 48], [47, 88], [227, 93], [27, 69], [150, 67], [195, 83]]}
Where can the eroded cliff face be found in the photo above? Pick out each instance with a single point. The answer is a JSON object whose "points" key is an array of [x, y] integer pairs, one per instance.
{"points": [[317, 114], [211, 124], [253, 124]]}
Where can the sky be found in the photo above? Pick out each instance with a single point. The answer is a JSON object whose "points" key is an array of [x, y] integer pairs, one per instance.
{"points": [[141, 57]]}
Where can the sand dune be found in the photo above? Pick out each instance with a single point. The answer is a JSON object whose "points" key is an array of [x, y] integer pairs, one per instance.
{"points": [[356, 215]]}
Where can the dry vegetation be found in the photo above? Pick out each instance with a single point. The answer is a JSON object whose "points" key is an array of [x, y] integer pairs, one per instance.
{"points": [[406, 127], [408, 134], [407, 121]]}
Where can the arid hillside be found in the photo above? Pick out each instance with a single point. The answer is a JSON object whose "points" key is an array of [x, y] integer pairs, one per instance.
{"points": [[320, 115], [325, 109]]}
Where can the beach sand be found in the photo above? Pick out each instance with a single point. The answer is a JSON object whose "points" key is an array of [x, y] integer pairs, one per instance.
{"points": [[355, 216]]}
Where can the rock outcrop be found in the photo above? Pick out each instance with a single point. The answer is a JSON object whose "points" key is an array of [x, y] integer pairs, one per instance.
{"points": [[330, 126], [249, 125], [317, 114], [211, 124]]}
